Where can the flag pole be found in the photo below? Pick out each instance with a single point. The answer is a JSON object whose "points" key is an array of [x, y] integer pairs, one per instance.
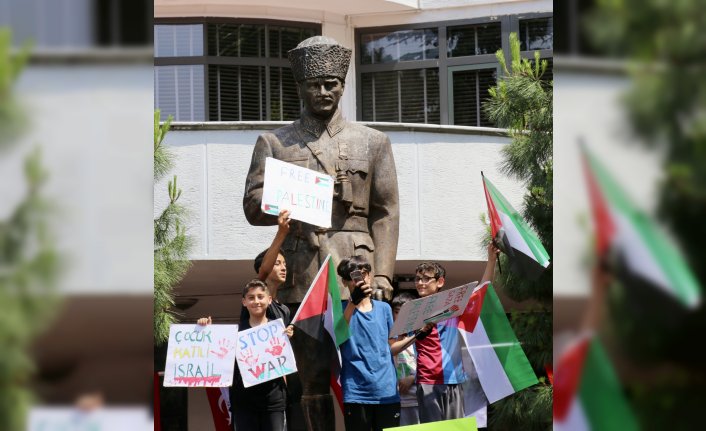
{"points": [[497, 255]]}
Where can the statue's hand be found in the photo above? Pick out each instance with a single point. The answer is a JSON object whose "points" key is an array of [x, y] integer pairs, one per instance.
{"points": [[382, 289]]}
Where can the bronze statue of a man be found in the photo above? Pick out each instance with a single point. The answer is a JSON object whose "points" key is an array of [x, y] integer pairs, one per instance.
{"points": [[365, 210]]}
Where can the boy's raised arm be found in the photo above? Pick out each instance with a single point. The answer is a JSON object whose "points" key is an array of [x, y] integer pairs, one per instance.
{"points": [[489, 272], [268, 262]]}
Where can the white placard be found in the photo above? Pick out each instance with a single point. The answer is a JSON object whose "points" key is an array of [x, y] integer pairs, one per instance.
{"points": [[307, 194], [100, 419], [200, 355], [264, 353], [433, 308]]}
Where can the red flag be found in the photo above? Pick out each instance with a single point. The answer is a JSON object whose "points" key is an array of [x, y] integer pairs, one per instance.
{"points": [[157, 412], [220, 408], [320, 310], [467, 321]]}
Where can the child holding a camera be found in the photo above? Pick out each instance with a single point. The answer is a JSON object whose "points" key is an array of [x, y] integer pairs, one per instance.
{"points": [[371, 401]]}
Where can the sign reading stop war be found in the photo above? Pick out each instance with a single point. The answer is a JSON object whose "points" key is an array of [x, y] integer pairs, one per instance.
{"points": [[307, 194], [264, 353], [200, 355]]}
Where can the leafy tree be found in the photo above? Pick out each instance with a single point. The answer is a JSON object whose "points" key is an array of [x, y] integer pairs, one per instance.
{"points": [[665, 108], [30, 264], [12, 118], [171, 245], [521, 102]]}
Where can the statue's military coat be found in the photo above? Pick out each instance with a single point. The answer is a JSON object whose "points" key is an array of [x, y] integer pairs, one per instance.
{"points": [[365, 210]]}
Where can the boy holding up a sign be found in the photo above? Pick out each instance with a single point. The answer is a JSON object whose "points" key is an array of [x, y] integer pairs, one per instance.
{"points": [[439, 365], [260, 407]]}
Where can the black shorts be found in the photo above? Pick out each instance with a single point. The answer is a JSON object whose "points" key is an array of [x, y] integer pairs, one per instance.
{"points": [[371, 417]]}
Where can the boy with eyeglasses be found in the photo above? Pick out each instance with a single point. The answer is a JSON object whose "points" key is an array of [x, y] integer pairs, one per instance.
{"points": [[439, 365]]}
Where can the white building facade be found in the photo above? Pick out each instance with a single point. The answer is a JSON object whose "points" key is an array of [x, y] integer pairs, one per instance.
{"points": [[419, 73]]}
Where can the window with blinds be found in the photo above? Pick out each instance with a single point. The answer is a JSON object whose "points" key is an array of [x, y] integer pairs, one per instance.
{"points": [[78, 24], [243, 70], [536, 34], [470, 90], [403, 45], [406, 96], [474, 39], [440, 73], [178, 91]]}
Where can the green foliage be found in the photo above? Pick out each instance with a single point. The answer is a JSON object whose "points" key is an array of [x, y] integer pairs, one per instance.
{"points": [[163, 159], [522, 102], [171, 244], [527, 410], [12, 118], [29, 269], [534, 328], [666, 104]]}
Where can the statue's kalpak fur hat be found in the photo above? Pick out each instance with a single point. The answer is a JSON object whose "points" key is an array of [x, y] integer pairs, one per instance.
{"points": [[319, 56]]}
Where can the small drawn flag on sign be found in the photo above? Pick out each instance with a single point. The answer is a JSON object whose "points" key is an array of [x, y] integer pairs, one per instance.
{"points": [[272, 209], [323, 181]]}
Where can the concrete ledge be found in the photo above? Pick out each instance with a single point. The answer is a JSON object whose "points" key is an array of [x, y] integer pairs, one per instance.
{"points": [[593, 65], [92, 56], [384, 127]]}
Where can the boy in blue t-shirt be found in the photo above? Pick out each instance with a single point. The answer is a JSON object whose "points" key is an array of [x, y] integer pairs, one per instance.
{"points": [[368, 376]]}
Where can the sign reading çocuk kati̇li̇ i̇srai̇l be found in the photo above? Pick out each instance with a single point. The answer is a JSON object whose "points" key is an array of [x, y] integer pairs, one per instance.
{"points": [[200, 355], [307, 194]]}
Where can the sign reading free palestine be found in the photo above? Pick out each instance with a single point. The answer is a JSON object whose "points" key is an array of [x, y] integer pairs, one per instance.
{"points": [[306, 193]]}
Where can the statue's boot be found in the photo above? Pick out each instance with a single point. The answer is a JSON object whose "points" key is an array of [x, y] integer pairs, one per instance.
{"points": [[318, 412]]}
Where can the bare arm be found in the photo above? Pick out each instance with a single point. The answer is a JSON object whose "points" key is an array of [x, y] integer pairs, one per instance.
{"points": [[268, 262], [489, 272], [600, 281], [396, 346]]}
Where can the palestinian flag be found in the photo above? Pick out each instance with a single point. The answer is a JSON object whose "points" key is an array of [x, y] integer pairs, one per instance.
{"points": [[587, 395], [321, 307], [513, 235], [499, 360], [642, 255]]}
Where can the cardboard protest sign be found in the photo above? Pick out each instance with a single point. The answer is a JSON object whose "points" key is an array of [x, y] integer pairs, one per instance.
{"points": [[264, 353], [465, 424], [307, 194], [433, 308], [200, 355]]}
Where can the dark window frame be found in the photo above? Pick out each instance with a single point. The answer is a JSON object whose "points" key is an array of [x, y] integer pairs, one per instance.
{"points": [[508, 24], [210, 60]]}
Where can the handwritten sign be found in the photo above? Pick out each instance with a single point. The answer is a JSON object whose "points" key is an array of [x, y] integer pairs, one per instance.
{"points": [[307, 194], [200, 355], [433, 308], [264, 353], [101, 419]]}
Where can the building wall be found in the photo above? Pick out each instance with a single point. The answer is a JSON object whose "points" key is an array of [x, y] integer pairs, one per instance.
{"points": [[441, 192], [588, 107], [93, 124]]}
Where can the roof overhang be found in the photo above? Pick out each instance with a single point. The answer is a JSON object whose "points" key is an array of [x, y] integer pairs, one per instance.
{"points": [[176, 8]]}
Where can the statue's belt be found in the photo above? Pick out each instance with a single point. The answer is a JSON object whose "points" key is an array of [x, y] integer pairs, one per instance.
{"points": [[351, 224]]}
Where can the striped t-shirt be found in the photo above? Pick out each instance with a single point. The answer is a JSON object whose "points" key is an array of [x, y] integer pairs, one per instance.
{"points": [[439, 356]]}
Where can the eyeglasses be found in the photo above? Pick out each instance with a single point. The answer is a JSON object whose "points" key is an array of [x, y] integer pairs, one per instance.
{"points": [[424, 280]]}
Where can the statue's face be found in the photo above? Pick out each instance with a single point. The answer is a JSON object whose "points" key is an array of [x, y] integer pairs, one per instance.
{"points": [[321, 95]]}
